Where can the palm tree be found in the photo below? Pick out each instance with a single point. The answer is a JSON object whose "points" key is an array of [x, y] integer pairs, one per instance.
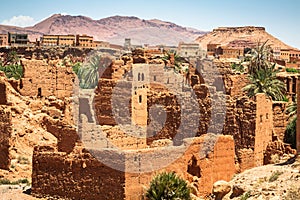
{"points": [[12, 71], [259, 57], [11, 66], [11, 58], [265, 81], [88, 74], [174, 60], [168, 186]]}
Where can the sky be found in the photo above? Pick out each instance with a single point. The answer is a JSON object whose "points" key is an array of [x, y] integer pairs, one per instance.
{"points": [[279, 17]]}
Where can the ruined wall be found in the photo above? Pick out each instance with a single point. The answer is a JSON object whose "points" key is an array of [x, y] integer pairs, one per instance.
{"points": [[75, 176], [280, 119], [234, 84], [46, 79], [264, 127], [81, 176], [5, 135], [201, 173], [246, 159], [3, 95]]}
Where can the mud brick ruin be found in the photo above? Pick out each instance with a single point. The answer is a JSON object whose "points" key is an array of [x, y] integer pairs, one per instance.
{"points": [[124, 99], [5, 129]]}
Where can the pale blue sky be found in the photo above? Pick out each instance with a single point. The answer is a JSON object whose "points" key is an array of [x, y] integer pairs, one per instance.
{"points": [[280, 17]]}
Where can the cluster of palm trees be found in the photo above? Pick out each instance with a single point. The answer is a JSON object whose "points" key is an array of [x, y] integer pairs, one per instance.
{"points": [[262, 74], [262, 78], [88, 72]]}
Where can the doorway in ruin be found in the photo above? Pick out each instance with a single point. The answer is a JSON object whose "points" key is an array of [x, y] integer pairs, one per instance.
{"points": [[39, 92], [193, 168]]}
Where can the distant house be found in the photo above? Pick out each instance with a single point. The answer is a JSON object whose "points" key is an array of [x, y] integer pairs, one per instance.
{"points": [[17, 39], [3, 40], [190, 50]]}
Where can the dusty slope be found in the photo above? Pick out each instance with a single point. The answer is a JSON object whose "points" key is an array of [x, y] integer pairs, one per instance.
{"points": [[27, 130], [270, 182]]}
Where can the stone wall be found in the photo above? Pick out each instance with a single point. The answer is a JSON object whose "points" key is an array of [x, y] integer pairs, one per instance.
{"points": [[42, 78]]}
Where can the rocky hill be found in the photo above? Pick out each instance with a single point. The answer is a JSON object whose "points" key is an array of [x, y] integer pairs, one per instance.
{"points": [[239, 36], [279, 181], [112, 29]]}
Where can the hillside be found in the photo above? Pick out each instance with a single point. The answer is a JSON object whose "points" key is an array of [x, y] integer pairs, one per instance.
{"points": [[112, 29], [239, 36], [280, 181]]}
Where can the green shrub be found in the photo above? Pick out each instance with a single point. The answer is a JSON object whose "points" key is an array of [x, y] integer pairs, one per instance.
{"points": [[245, 196], [12, 71], [275, 176], [168, 186], [238, 67], [4, 181], [8, 182], [76, 67], [291, 70], [23, 161]]}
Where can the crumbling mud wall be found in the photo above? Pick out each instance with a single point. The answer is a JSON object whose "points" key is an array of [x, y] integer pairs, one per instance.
{"points": [[280, 119], [79, 175], [74, 176], [5, 136], [250, 122], [200, 171], [42, 78], [264, 127], [5, 127]]}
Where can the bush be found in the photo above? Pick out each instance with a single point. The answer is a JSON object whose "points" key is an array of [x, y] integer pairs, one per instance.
{"points": [[168, 186], [291, 70], [76, 67], [23, 161], [245, 196], [8, 182], [12, 71], [238, 67], [275, 176]]}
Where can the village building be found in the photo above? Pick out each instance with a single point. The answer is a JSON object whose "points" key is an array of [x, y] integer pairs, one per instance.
{"points": [[3, 40], [17, 39], [190, 50]]}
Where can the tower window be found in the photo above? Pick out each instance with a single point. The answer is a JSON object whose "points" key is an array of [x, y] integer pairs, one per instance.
{"points": [[140, 99], [143, 77]]}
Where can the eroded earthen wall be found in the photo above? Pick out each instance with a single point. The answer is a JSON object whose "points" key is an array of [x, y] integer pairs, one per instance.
{"points": [[46, 79], [74, 176], [200, 172], [80, 175], [264, 127], [280, 119], [5, 135]]}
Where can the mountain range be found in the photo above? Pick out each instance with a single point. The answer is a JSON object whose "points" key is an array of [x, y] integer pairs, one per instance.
{"points": [[112, 29], [116, 28]]}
